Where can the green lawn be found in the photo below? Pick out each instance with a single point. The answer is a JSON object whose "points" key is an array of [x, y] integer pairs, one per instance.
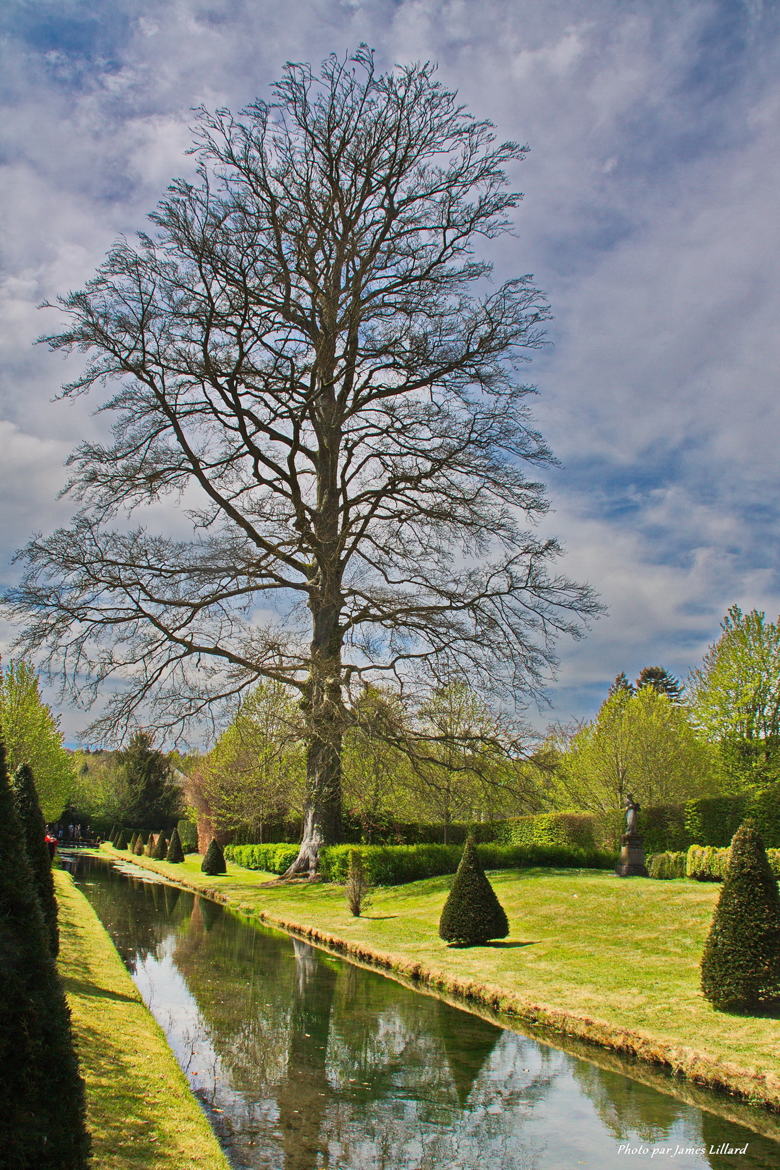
{"points": [[590, 954], [140, 1111]]}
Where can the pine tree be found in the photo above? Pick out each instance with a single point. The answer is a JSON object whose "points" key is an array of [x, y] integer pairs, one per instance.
{"points": [[160, 850], [659, 678], [42, 1120], [33, 827], [214, 861], [472, 913], [621, 686], [740, 967], [175, 851]]}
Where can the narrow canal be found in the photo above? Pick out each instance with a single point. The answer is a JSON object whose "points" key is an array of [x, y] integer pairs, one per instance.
{"points": [[304, 1061]]}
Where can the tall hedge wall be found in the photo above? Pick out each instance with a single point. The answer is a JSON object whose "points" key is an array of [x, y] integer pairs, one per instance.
{"points": [[389, 865]]}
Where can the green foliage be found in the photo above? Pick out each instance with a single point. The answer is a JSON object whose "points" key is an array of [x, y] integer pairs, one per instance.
{"points": [[735, 696], [150, 794], [42, 1121], [663, 828], [558, 829], [32, 737], [256, 771], [705, 863], [390, 865], [140, 846], [643, 744], [740, 967], [357, 886], [667, 865], [214, 861], [121, 839], [472, 913], [714, 820], [188, 836], [661, 681], [175, 852], [33, 828], [160, 851]]}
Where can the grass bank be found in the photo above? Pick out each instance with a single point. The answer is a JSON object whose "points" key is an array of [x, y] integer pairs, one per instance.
{"points": [[140, 1110], [592, 956]]}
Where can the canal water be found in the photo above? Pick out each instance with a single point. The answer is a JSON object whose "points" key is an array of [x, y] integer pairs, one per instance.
{"points": [[303, 1061]]}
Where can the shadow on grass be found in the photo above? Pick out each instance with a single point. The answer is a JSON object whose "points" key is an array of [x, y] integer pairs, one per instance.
{"points": [[378, 917], [86, 988], [495, 944]]}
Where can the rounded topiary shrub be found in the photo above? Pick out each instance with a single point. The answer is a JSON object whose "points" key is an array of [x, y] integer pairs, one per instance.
{"points": [[472, 913], [740, 967], [42, 1121], [160, 851], [175, 851], [33, 827], [214, 861]]}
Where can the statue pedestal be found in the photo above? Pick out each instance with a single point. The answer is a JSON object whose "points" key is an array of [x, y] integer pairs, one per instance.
{"points": [[632, 857]]}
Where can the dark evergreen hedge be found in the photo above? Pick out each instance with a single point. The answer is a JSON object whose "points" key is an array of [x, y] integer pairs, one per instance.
{"points": [[175, 852], [214, 861], [472, 913], [740, 967], [42, 1121], [33, 828]]}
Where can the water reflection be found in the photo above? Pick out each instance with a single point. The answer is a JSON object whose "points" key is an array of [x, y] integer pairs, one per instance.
{"points": [[303, 1061]]}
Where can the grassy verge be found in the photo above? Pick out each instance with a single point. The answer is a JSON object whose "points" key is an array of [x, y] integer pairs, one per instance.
{"points": [[590, 955], [140, 1110]]}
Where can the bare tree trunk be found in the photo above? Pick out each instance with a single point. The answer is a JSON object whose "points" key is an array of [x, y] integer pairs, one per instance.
{"points": [[325, 719]]}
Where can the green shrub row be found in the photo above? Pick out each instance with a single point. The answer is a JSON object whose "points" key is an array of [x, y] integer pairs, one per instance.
{"points": [[391, 865], [667, 865], [703, 863]]}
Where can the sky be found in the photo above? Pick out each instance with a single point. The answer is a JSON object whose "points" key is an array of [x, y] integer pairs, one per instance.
{"points": [[649, 219]]}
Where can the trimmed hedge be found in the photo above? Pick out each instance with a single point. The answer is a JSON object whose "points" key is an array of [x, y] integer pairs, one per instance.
{"points": [[705, 863], [472, 913], [188, 836], [666, 866], [557, 829], [392, 865]]}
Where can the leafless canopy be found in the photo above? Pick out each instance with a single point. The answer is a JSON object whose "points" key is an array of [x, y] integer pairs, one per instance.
{"points": [[309, 354]]}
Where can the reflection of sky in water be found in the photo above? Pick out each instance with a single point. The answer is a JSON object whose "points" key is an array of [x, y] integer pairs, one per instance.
{"points": [[304, 1062]]}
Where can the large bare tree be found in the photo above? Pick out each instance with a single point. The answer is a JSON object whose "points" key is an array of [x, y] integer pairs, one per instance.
{"points": [[308, 351]]}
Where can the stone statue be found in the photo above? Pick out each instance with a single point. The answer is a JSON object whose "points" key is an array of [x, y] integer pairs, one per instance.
{"points": [[632, 809], [632, 855]]}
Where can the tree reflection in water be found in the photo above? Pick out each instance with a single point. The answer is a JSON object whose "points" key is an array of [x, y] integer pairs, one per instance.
{"points": [[305, 1062]]}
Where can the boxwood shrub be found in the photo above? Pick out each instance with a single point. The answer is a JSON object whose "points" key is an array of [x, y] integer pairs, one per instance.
{"points": [[706, 863], [391, 865], [667, 865]]}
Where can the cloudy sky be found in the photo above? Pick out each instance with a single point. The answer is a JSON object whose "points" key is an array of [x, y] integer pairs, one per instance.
{"points": [[650, 219]]}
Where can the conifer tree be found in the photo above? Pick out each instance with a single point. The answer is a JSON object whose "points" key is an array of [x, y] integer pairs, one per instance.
{"points": [[740, 967], [214, 861], [175, 851], [33, 829], [472, 913], [42, 1120]]}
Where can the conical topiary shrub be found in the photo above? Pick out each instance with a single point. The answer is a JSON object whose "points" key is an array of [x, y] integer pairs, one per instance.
{"points": [[131, 843], [160, 851], [121, 839], [175, 851], [139, 847], [472, 913], [42, 1114], [33, 827], [740, 967], [214, 861]]}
